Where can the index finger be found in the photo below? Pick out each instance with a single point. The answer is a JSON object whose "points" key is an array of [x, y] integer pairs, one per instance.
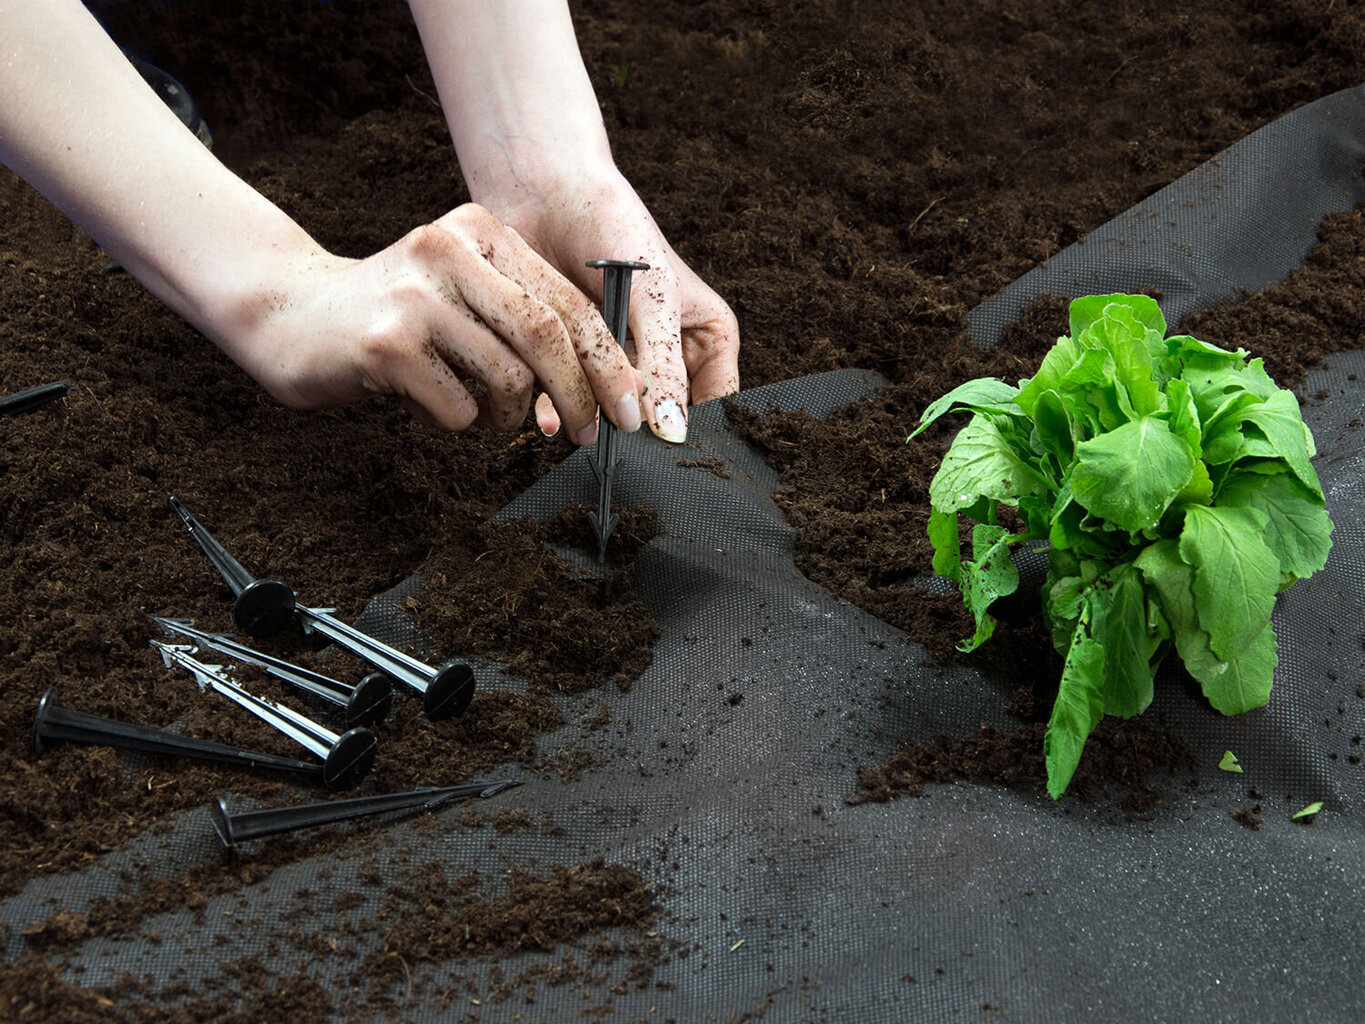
{"points": [[609, 374]]}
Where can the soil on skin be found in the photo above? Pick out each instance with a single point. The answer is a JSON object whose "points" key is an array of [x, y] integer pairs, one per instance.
{"points": [[851, 178]]}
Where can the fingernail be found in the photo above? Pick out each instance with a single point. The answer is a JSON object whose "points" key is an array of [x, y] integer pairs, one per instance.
{"points": [[628, 412], [548, 433], [588, 435], [672, 426]]}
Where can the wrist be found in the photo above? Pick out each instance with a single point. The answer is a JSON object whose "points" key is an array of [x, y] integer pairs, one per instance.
{"points": [[525, 178]]}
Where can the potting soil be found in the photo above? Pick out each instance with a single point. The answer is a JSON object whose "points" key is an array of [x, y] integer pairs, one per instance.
{"points": [[727, 775]]}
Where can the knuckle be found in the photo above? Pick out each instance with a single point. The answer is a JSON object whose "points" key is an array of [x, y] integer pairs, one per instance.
{"points": [[717, 334], [544, 330], [462, 417], [585, 323], [470, 218], [384, 346], [727, 325], [511, 382], [428, 243]]}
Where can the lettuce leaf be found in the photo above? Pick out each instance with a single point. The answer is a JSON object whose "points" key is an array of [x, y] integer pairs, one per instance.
{"points": [[1174, 482]]}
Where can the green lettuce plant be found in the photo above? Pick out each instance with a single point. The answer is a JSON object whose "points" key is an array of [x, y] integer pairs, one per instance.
{"points": [[1171, 480]]}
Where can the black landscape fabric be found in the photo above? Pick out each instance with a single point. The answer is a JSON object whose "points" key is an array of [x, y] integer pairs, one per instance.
{"points": [[724, 774]]}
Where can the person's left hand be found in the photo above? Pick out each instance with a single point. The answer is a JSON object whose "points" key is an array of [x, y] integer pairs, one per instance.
{"points": [[684, 337]]}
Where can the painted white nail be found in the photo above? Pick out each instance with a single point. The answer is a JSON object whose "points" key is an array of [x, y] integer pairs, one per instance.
{"points": [[672, 426], [628, 412]]}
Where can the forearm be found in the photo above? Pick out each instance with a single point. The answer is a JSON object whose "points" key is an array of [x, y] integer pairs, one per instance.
{"points": [[517, 98], [78, 123]]}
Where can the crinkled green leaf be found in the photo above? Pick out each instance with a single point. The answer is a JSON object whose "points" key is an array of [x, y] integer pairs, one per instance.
{"points": [[1245, 681], [1200, 488], [1229, 762], [1183, 417], [1120, 333], [1065, 531], [1093, 393], [1063, 601], [1130, 475], [1202, 358], [1051, 372], [990, 574], [943, 535], [1036, 512], [1052, 428], [1209, 369], [1231, 685], [1076, 712], [981, 463], [1173, 581], [1086, 310], [975, 395], [1236, 576], [1118, 606], [1223, 438], [1282, 423], [1308, 812], [1298, 529]]}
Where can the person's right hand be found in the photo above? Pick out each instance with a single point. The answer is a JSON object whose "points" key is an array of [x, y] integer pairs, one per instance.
{"points": [[460, 319]]}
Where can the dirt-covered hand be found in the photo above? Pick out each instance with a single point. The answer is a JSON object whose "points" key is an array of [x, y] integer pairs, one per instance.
{"points": [[684, 337], [460, 318], [533, 149]]}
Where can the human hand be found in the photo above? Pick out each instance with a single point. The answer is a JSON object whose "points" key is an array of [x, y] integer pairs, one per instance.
{"points": [[533, 149], [684, 337], [460, 318]]}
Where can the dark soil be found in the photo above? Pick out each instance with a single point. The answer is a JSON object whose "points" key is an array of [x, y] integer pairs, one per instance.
{"points": [[852, 178]]}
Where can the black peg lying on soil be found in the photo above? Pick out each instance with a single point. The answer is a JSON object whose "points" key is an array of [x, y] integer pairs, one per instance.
{"points": [[33, 398], [246, 825], [366, 703], [260, 607], [446, 690], [346, 759], [264, 607], [54, 724]]}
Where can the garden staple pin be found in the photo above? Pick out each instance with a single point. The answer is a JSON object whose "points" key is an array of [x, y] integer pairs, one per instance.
{"points": [[33, 398], [446, 690], [615, 311], [347, 758], [264, 607], [366, 703], [261, 607], [247, 825], [54, 724]]}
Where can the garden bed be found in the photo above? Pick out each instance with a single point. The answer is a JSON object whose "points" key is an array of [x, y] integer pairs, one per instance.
{"points": [[852, 180]]}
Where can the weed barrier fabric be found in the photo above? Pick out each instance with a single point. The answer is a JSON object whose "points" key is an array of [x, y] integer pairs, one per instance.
{"points": [[723, 775], [1236, 224]]}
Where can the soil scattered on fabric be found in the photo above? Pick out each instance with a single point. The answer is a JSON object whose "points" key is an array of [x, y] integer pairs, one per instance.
{"points": [[517, 602], [852, 180]]}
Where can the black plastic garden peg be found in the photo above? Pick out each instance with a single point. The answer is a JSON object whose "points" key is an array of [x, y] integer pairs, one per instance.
{"points": [[262, 607], [246, 825], [33, 398], [346, 758], [54, 724], [616, 312], [366, 703], [446, 690]]}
